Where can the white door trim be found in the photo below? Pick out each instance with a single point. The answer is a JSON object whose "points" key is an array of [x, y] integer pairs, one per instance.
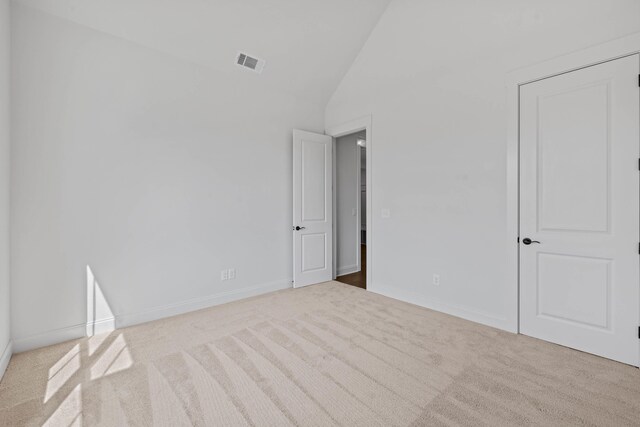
{"points": [[625, 46], [342, 129]]}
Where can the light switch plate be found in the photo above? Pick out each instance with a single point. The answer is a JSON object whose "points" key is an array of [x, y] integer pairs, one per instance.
{"points": [[386, 213]]}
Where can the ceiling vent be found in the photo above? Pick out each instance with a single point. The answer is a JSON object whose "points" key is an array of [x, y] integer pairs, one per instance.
{"points": [[247, 61]]}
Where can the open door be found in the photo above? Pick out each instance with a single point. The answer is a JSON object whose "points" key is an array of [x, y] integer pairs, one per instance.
{"points": [[312, 208]]}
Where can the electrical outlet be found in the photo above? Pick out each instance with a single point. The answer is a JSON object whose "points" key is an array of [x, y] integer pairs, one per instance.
{"points": [[224, 275], [436, 279], [232, 273], [385, 213]]}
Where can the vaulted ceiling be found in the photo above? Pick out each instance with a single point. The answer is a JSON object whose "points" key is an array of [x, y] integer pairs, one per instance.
{"points": [[308, 44]]}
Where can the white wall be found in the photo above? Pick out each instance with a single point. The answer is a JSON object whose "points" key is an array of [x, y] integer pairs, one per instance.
{"points": [[363, 187], [5, 329], [347, 195], [432, 75], [153, 171]]}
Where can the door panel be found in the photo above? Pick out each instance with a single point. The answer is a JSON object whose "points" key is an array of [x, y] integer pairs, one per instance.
{"points": [[575, 289], [574, 188], [314, 203], [579, 197], [314, 249], [312, 208]]}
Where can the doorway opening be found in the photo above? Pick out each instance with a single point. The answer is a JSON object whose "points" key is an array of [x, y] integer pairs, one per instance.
{"points": [[314, 231], [350, 201]]}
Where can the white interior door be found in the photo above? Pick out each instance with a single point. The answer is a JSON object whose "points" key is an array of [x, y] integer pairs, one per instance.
{"points": [[579, 209], [312, 208]]}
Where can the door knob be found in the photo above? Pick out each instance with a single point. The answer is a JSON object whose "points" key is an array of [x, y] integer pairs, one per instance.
{"points": [[298, 228], [528, 241]]}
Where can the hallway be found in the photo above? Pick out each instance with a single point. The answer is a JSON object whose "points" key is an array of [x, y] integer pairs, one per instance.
{"points": [[358, 279]]}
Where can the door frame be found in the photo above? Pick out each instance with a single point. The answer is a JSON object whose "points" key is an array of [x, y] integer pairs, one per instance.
{"points": [[619, 48], [336, 131]]}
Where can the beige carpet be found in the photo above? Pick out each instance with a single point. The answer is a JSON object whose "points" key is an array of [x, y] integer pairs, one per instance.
{"points": [[329, 354]]}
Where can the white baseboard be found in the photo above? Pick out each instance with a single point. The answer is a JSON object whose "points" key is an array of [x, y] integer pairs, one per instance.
{"points": [[5, 358], [348, 269], [129, 319], [100, 326], [45, 339], [56, 336], [436, 305], [124, 320]]}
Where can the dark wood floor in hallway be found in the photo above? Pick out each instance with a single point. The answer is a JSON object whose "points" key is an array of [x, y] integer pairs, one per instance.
{"points": [[358, 279]]}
